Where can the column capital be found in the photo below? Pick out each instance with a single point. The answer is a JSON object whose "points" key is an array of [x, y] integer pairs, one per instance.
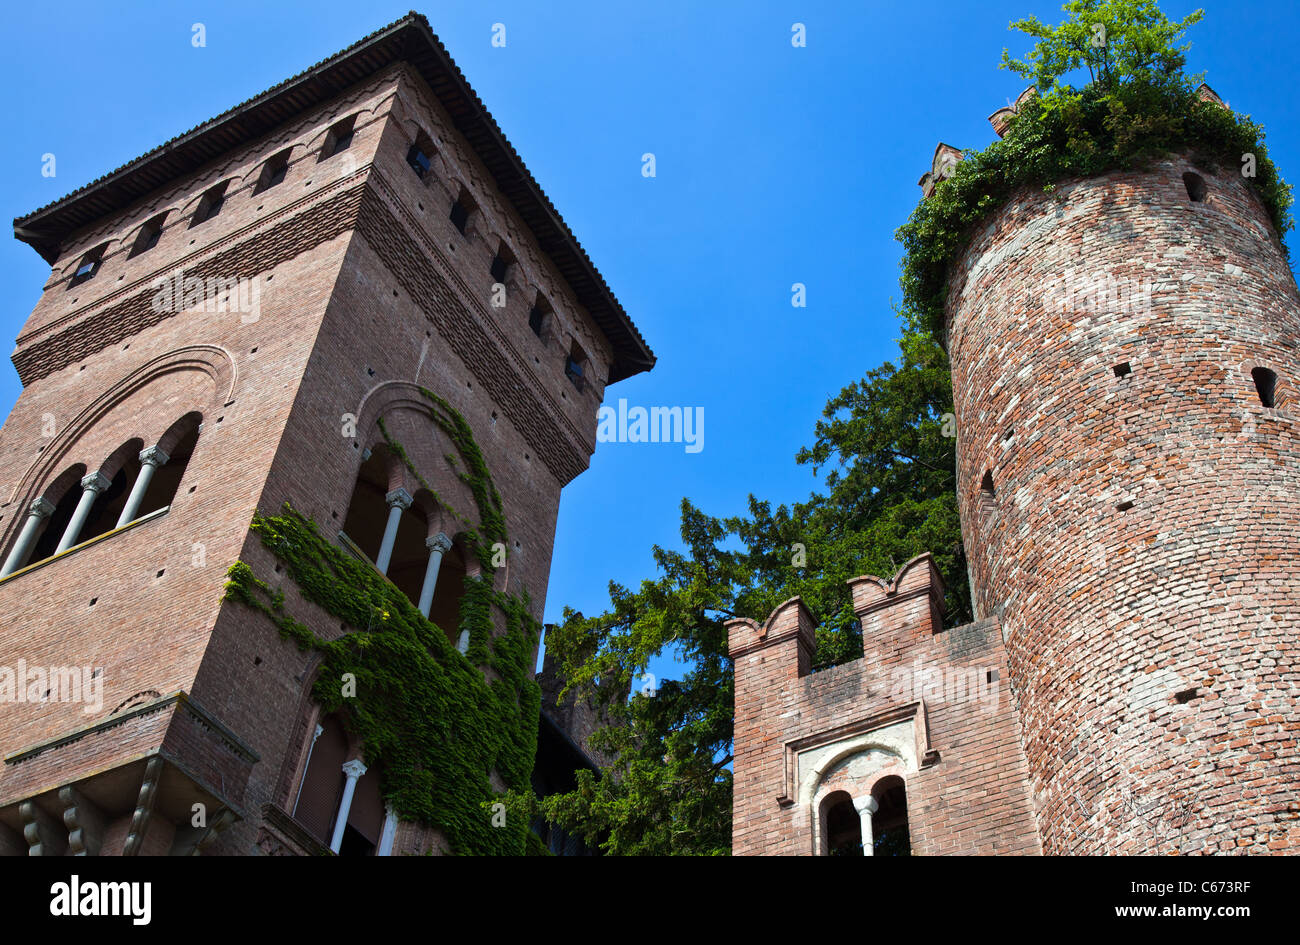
{"points": [[399, 498], [153, 456], [866, 805], [95, 482], [41, 507], [354, 768], [439, 543]]}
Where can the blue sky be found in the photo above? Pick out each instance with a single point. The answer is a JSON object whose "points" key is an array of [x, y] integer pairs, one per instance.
{"points": [[775, 165]]}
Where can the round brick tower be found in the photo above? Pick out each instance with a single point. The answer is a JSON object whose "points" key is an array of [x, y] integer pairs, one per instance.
{"points": [[1125, 370]]}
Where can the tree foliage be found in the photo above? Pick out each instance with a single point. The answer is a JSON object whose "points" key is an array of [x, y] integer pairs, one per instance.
{"points": [[1117, 41]]}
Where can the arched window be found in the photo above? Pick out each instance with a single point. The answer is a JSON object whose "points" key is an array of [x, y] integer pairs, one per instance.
{"points": [[367, 508], [64, 494], [450, 589], [1195, 185], [841, 825], [322, 795], [889, 833], [1265, 385]]}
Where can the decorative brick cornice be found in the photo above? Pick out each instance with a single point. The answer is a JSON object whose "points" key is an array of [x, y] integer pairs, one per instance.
{"points": [[554, 440], [248, 252]]}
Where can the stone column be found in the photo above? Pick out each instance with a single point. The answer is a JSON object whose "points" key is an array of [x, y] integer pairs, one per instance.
{"points": [[91, 487], [40, 509], [352, 770], [388, 833], [438, 546], [150, 460], [306, 766], [866, 807], [397, 500]]}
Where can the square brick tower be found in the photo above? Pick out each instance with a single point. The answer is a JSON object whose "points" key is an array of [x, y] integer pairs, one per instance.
{"points": [[343, 312]]}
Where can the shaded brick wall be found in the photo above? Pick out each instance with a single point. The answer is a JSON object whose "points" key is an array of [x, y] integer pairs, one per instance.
{"points": [[1102, 341]]}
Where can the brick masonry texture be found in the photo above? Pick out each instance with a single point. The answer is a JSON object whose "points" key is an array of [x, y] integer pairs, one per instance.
{"points": [[1138, 543], [918, 705], [368, 293]]}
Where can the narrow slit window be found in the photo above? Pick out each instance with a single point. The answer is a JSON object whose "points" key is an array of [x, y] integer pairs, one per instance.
{"points": [[460, 212], [89, 266], [501, 263], [1195, 185], [420, 156], [1265, 385], [537, 317], [339, 138], [149, 235], [210, 204], [575, 367], [273, 171]]}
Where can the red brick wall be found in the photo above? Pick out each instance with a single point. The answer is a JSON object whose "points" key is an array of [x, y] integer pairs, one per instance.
{"points": [[1110, 613], [961, 763], [367, 290]]}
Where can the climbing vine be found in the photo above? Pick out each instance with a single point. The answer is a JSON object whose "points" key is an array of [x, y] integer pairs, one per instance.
{"points": [[436, 722]]}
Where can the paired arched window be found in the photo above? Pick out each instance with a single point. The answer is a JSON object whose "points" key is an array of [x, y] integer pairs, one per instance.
{"points": [[398, 533], [874, 825], [135, 481], [339, 801]]}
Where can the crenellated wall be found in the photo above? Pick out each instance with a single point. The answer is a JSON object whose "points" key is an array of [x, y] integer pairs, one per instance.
{"points": [[924, 705]]}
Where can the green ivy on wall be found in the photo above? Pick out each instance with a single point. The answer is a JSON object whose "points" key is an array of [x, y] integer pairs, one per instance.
{"points": [[437, 723], [1069, 134]]}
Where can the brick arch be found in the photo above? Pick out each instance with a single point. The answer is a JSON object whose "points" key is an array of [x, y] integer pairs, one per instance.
{"points": [[212, 360], [1284, 392]]}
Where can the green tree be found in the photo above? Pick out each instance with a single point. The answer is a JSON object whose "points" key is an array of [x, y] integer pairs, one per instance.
{"points": [[1117, 41]]}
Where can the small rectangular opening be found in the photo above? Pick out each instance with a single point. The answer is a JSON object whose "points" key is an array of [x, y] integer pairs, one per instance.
{"points": [[1187, 695], [1122, 369], [1124, 506]]}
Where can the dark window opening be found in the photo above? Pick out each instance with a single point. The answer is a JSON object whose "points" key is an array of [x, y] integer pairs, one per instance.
{"points": [[889, 832], [501, 263], [843, 826], [316, 805], [1122, 369], [367, 513], [167, 478], [1265, 385], [575, 366], [108, 504], [149, 235], [537, 318], [57, 523], [89, 266], [1124, 506], [460, 211], [273, 171], [1187, 695], [1195, 185], [339, 138], [355, 843], [418, 158], [986, 485], [450, 591], [210, 204]]}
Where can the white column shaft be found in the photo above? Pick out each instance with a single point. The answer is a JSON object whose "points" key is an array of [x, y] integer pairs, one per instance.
{"points": [[390, 539], [353, 771], [70, 534], [137, 495], [430, 581], [26, 541]]}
